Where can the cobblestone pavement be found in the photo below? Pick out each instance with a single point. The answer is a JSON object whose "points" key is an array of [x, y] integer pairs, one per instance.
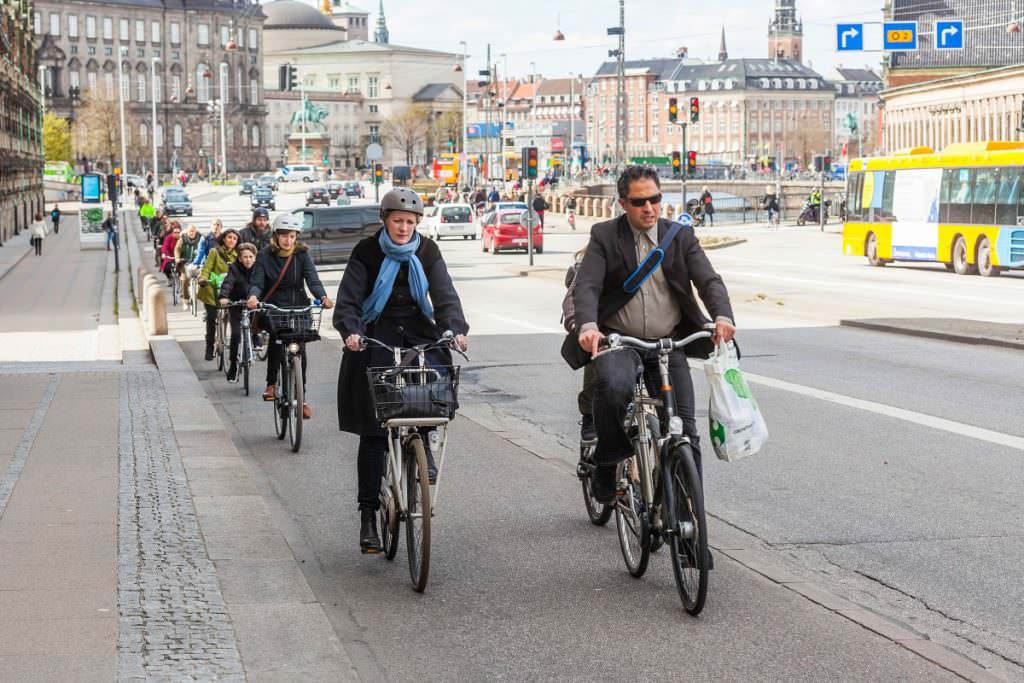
{"points": [[174, 624]]}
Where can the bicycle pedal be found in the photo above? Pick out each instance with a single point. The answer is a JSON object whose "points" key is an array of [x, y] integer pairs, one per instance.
{"points": [[370, 551]]}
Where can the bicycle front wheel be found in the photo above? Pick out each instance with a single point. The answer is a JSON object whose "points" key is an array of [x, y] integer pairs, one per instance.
{"points": [[632, 520], [281, 412], [222, 334], [688, 529], [417, 517], [295, 406], [193, 296], [599, 513]]}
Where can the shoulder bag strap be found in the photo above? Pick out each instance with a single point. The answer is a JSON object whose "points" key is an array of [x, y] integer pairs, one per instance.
{"points": [[280, 277], [650, 264]]}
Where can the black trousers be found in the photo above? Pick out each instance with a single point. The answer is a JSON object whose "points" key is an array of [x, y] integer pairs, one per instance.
{"points": [[235, 321], [211, 326], [37, 242], [613, 378], [275, 356]]}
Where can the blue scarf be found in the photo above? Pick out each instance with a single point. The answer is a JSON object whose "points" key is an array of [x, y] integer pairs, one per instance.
{"points": [[396, 255]]}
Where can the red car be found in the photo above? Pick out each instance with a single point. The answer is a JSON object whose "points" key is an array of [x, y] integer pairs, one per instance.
{"points": [[504, 230]]}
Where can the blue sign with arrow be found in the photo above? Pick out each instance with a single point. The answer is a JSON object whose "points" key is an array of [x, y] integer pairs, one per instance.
{"points": [[949, 35], [899, 35], [849, 37]]}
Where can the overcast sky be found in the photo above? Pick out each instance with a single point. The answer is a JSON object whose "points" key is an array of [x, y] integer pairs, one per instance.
{"points": [[654, 28]]}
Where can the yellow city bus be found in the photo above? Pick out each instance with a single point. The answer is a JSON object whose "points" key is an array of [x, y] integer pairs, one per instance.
{"points": [[962, 207]]}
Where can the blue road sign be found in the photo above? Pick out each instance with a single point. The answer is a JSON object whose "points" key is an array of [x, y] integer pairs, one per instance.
{"points": [[849, 37], [949, 35], [899, 35]]}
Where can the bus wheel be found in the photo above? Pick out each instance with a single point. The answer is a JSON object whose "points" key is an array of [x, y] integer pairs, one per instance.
{"points": [[984, 260], [960, 265], [871, 251]]}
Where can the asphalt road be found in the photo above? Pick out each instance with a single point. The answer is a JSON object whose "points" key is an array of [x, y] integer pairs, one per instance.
{"points": [[892, 479]]}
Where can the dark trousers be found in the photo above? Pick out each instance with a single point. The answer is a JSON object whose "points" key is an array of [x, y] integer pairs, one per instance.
{"points": [[211, 326], [235, 321], [37, 242], [275, 356], [56, 227], [610, 391]]}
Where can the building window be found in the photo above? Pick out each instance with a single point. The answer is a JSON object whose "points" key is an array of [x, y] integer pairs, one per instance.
{"points": [[207, 135], [140, 31], [154, 32], [245, 136], [373, 86], [239, 85], [176, 88], [203, 35], [254, 91], [252, 39], [141, 83], [91, 80], [334, 82], [223, 72], [108, 51], [177, 135], [240, 35], [108, 82], [374, 133], [73, 79], [143, 134], [54, 24], [158, 88], [122, 30], [224, 36], [126, 87], [202, 83], [158, 135], [175, 33], [72, 26], [37, 23], [141, 52], [255, 136], [90, 27], [353, 84], [374, 108], [108, 28], [229, 134]]}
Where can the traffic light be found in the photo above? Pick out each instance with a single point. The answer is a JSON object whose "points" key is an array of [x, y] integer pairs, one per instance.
{"points": [[378, 174], [819, 163], [827, 164], [676, 164], [530, 162], [112, 187], [673, 110], [691, 163], [694, 109], [287, 77]]}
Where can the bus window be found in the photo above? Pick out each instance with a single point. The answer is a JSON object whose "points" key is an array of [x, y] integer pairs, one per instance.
{"points": [[960, 196], [1006, 197], [885, 214], [854, 187], [946, 193], [983, 209]]}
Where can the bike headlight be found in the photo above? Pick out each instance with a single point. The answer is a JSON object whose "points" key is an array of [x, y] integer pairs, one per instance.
{"points": [[675, 425]]}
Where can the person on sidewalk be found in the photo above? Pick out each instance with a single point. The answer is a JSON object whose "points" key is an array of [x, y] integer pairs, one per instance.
{"points": [[707, 202], [540, 206], [397, 289], [38, 229], [236, 288], [110, 227], [257, 231], [55, 217], [217, 263], [184, 253], [167, 252], [282, 272]]}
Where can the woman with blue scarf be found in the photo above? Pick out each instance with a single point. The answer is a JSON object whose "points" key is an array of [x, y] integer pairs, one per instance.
{"points": [[397, 289]]}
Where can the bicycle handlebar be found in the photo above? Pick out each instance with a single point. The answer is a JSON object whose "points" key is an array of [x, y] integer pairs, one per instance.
{"points": [[663, 345], [271, 307], [447, 340]]}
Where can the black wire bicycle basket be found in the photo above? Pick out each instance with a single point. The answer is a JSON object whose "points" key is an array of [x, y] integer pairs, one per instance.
{"points": [[293, 326], [414, 392]]}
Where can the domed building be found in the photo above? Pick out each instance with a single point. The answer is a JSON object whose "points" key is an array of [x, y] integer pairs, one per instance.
{"points": [[361, 83]]}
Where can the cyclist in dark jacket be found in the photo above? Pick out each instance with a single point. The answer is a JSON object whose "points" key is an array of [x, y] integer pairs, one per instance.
{"points": [[258, 230], [285, 248], [236, 288]]}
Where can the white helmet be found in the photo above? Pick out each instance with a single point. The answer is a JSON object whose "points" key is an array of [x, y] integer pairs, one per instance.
{"points": [[287, 221]]}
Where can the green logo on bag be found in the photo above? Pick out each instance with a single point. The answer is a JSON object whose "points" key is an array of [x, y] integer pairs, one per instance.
{"points": [[717, 432], [735, 379]]}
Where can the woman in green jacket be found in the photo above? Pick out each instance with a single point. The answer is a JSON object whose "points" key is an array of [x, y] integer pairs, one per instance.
{"points": [[215, 267]]}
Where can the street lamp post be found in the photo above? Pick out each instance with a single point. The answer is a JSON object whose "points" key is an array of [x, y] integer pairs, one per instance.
{"points": [[572, 120], [223, 101], [533, 105], [464, 164], [120, 99], [156, 173]]}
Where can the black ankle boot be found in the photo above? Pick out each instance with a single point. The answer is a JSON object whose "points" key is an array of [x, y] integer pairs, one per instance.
{"points": [[369, 541], [233, 372], [209, 352]]}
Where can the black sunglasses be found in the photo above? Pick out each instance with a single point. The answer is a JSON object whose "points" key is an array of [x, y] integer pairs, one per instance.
{"points": [[639, 202]]}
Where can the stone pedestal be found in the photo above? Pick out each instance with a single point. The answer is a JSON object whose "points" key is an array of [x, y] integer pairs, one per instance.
{"points": [[318, 148]]}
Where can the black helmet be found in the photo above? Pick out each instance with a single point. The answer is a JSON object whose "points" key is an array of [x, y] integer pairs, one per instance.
{"points": [[260, 212], [401, 199]]}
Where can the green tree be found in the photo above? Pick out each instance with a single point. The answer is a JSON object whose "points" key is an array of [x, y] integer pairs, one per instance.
{"points": [[56, 138]]}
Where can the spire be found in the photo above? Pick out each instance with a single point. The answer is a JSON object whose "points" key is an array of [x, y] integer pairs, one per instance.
{"points": [[723, 54], [381, 34]]}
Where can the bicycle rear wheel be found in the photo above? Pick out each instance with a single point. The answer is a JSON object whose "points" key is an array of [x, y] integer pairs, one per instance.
{"points": [[688, 528], [261, 350], [297, 397], [175, 290], [599, 513], [193, 296], [281, 413], [221, 341], [418, 512], [632, 521]]}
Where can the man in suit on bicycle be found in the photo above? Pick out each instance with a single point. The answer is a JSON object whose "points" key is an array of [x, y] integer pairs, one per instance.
{"points": [[663, 306]]}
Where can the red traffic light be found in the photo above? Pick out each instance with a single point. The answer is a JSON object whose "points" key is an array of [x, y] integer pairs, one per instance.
{"points": [[694, 109]]}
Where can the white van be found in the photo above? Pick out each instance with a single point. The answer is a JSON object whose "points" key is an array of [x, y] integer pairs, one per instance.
{"points": [[296, 172]]}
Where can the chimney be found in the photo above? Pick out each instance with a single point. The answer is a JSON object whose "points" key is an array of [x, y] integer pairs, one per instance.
{"points": [[682, 52]]}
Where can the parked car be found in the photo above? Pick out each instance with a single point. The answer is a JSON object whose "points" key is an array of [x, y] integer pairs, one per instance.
{"points": [[246, 186], [449, 220], [354, 188], [263, 196], [504, 230], [134, 181], [333, 231], [268, 181], [176, 202], [318, 194], [334, 188]]}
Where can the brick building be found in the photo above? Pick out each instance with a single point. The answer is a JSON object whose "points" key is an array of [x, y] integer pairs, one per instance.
{"points": [[174, 50], [21, 159]]}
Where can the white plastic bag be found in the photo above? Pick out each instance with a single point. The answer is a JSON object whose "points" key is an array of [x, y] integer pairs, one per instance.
{"points": [[737, 427]]}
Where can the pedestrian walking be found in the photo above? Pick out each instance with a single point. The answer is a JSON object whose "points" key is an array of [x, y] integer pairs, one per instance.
{"points": [[707, 202], [540, 206], [38, 229], [771, 203], [55, 217], [110, 227]]}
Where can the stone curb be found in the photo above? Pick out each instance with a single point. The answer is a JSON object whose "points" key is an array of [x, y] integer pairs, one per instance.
{"points": [[8, 267], [933, 334]]}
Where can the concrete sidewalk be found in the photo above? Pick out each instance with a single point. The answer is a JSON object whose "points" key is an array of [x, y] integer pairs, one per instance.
{"points": [[1006, 335]]}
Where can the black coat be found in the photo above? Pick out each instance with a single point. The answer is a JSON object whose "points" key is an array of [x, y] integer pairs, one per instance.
{"points": [[292, 290], [401, 324], [707, 202], [611, 258], [249, 234], [236, 283]]}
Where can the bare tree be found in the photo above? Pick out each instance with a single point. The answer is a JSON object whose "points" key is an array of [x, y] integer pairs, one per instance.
{"points": [[99, 128], [812, 136], [407, 130], [448, 126]]}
